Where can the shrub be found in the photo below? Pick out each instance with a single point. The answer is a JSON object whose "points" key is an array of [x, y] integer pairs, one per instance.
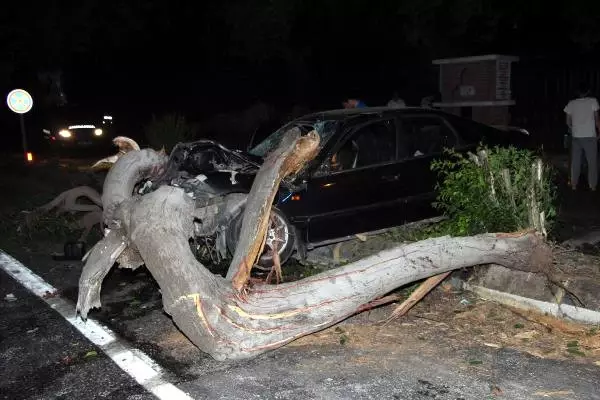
{"points": [[168, 130], [492, 191]]}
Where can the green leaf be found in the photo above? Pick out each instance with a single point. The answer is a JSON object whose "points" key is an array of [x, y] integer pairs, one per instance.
{"points": [[575, 351], [464, 192], [91, 353], [343, 339]]}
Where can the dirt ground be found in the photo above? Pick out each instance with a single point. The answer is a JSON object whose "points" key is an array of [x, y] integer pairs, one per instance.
{"points": [[458, 320]]}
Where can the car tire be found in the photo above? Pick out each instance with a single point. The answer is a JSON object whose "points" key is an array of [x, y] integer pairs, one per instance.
{"points": [[283, 232]]}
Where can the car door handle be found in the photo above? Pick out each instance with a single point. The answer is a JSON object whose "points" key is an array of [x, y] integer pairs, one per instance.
{"points": [[391, 178]]}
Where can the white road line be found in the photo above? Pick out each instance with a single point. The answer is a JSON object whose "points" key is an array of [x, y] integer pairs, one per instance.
{"points": [[134, 362]]}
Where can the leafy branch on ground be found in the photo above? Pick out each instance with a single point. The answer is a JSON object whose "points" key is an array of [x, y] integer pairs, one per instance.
{"points": [[30, 187], [477, 198], [491, 193]]}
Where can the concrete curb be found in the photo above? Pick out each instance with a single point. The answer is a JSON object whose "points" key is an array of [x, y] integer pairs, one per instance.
{"points": [[564, 311]]}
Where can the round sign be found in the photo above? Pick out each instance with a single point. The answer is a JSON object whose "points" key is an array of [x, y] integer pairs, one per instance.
{"points": [[19, 101]]}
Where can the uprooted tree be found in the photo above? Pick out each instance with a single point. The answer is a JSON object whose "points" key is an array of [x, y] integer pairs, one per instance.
{"points": [[234, 317]]}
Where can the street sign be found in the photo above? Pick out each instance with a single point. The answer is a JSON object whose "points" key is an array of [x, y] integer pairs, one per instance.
{"points": [[19, 101]]}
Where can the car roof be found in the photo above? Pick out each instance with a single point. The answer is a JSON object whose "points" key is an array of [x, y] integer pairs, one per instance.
{"points": [[343, 114]]}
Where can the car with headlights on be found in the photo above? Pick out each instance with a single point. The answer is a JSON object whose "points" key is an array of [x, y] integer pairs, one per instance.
{"points": [[74, 131]]}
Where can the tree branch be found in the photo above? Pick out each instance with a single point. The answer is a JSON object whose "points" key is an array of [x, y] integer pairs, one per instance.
{"points": [[291, 154], [120, 181], [100, 260], [206, 308]]}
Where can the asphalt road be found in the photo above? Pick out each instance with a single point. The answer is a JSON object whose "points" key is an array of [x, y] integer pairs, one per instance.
{"points": [[43, 357]]}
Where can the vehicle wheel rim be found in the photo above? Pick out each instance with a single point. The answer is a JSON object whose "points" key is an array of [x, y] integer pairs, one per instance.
{"points": [[277, 235]]}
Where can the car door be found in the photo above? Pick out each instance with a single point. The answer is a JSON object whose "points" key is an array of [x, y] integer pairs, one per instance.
{"points": [[353, 190], [427, 135]]}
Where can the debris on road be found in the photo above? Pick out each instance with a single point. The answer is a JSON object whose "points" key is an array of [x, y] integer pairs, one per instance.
{"points": [[90, 354], [555, 393], [526, 335]]}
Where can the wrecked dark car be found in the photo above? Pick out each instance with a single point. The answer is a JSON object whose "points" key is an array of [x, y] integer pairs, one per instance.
{"points": [[372, 172]]}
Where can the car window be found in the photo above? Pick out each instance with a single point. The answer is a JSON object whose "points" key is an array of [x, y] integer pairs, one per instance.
{"points": [[427, 134], [325, 129], [369, 144], [474, 132]]}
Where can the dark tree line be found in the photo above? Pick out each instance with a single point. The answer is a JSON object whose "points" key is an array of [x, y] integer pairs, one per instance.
{"points": [[290, 46]]}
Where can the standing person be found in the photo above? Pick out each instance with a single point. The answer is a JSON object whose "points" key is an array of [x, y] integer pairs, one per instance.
{"points": [[396, 101], [584, 123]]}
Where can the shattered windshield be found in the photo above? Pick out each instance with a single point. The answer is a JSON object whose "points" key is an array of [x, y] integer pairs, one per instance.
{"points": [[325, 129]]}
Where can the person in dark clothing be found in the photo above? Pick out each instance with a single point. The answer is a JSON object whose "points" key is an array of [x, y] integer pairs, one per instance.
{"points": [[354, 103]]}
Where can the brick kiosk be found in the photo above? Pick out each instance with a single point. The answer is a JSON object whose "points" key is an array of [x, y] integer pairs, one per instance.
{"points": [[477, 87]]}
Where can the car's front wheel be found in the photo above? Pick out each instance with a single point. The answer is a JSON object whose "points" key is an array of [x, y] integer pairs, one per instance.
{"points": [[280, 235]]}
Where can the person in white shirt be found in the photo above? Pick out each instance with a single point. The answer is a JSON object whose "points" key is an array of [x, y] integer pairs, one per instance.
{"points": [[584, 125], [396, 101]]}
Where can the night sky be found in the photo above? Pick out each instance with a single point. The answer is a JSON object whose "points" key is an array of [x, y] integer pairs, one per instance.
{"points": [[143, 57]]}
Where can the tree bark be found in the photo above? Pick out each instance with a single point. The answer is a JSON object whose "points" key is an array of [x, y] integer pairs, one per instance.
{"points": [[120, 181], [292, 153], [100, 260], [227, 324]]}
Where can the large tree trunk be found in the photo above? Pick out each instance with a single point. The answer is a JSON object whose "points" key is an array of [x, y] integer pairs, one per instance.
{"points": [[230, 320], [291, 154], [122, 178]]}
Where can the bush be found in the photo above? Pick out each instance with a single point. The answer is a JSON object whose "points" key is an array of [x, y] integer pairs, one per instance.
{"points": [[491, 191], [168, 130]]}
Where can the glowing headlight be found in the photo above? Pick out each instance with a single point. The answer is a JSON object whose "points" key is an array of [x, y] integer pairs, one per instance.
{"points": [[98, 132], [65, 133]]}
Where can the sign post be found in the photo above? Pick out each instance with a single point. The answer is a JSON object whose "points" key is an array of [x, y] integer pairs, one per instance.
{"points": [[20, 102]]}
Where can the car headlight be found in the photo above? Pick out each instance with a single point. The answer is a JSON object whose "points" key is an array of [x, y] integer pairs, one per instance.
{"points": [[65, 133], [98, 132]]}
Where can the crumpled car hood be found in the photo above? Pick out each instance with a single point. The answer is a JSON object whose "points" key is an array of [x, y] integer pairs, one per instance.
{"points": [[207, 157], [205, 168]]}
